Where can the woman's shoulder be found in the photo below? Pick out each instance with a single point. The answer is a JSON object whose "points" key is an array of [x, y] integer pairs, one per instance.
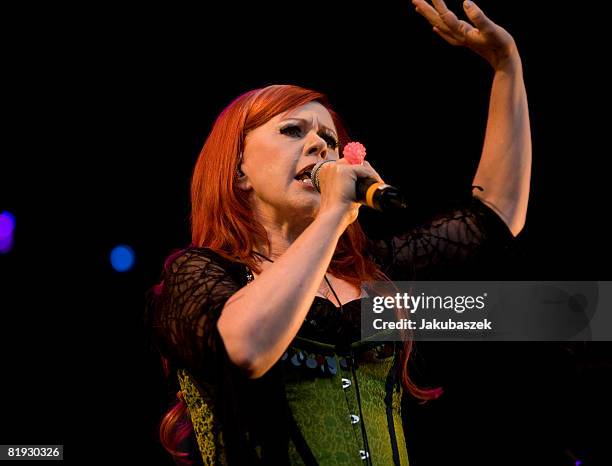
{"points": [[196, 254], [195, 259]]}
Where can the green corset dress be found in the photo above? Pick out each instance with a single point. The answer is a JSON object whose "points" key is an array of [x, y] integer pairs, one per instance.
{"points": [[344, 401], [348, 409]]}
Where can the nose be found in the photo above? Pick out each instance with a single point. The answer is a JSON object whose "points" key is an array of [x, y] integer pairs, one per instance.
{"points": [[317, 146]]}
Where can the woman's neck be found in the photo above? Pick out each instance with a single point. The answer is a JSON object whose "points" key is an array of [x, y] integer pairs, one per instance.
{"points": [[281, 234]]}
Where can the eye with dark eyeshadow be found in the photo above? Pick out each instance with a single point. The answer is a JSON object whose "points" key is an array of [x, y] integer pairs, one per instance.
{"points": [[296, 131], [330, 140], [291, 130]]}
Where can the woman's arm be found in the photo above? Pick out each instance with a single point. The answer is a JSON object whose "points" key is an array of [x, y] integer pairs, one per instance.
{"points": [[260, 320], [504, 170], [203, 314]]}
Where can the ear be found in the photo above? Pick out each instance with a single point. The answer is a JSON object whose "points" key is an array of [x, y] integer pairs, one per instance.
{"points": [[242, 180]]}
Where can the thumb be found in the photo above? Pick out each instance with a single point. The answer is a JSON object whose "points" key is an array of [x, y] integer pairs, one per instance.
{"points": [[476, 16]]}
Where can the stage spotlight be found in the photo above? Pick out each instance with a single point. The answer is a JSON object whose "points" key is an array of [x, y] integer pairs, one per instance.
{"points": [[122, 258], [7, 228]]}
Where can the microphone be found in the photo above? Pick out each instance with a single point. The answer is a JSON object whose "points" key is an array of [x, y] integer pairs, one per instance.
{"points": [[369, 191]]}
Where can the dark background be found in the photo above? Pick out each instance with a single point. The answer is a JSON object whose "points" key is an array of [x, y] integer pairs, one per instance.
{"points": [[105, 111]]}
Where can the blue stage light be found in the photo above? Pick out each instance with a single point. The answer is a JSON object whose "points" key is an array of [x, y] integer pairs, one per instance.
{"points": [[122, 258], [7, 228], [7, 224]]}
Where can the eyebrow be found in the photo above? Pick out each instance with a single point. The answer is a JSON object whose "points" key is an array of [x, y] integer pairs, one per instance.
{"points": [[303, 120]]}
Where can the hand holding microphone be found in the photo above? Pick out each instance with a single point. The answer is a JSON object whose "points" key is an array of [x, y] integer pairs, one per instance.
{"points": [[370, 189]]}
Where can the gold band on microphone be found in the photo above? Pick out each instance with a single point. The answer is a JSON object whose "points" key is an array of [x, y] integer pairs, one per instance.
{"points": [[370, 193]]}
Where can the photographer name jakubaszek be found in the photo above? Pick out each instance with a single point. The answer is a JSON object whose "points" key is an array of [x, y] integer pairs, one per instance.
{"points": [[434, 324]]}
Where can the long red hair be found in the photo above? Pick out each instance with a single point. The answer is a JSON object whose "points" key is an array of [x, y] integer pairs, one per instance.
{"points": [[222, 218]]}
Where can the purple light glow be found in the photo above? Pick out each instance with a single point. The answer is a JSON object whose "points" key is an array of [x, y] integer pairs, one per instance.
{"points": [[7, 225], [6, 244]]}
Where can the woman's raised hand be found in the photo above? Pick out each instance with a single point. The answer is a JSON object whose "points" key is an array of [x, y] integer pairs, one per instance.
{"points": [[483, 36]]}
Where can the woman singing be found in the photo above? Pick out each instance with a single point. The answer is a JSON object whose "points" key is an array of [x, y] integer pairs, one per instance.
{"points": [[257, 321]]}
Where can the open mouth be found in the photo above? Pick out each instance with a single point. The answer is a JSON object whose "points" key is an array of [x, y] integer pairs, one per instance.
{"points": [[304, 178]]}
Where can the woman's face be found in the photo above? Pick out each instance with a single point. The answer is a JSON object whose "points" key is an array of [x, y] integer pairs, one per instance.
{"points": [[276, 152]]}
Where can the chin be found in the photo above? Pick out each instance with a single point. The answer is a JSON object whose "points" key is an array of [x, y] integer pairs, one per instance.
{"points": [[305, 207]]}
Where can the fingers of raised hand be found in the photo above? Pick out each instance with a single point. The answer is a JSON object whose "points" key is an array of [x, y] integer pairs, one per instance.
{"points": [[429, 13], [445, 23], [477, 17], [459, 28]]}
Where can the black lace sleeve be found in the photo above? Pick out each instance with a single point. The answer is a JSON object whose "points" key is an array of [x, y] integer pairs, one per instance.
{"points": [[196, 286], [449, 245]]}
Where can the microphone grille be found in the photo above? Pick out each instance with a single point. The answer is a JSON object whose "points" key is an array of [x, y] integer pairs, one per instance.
{"points": [[314, 174]]}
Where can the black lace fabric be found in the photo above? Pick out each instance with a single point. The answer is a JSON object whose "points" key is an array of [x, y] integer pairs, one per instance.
{"points": [[449, 246], [183, 316], [195, 288]]}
